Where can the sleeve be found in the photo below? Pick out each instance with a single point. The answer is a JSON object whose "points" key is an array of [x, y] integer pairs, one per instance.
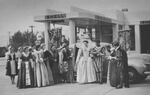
{"points": [[41, 55], [78, 55], [31, 56], [31, 59], [60, 57], [36, 56], [19, 62], [7, 56], [61, 61]]}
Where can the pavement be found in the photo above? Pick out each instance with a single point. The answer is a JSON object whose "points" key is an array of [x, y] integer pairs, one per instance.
{"points": [[6, 88]]}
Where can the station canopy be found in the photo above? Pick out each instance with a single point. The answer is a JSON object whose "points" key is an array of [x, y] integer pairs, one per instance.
{"points": [[81, 17]]}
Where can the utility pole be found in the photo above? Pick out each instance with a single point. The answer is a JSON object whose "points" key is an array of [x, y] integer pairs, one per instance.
{"points": [[9, 38], [32, 28], [31, 36]]}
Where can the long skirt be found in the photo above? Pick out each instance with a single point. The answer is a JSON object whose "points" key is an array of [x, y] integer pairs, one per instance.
{"points": [[34, 74], [99, 68], [70, 75], [11, 68], [25, 76], [50, 75], [55, 72], [86, 71], [113, 72], [41, 74]]}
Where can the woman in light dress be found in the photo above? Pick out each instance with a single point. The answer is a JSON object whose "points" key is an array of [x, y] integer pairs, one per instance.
{"points": [[11, 66], [46, 58], [85, 65], [41, 70]]}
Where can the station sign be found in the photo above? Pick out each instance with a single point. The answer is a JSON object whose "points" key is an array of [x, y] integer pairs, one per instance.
{"points": [[55, 16], [101, 18]]}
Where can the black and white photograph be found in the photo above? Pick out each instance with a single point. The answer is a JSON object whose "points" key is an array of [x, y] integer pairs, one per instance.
{"points": [[74, 47]]}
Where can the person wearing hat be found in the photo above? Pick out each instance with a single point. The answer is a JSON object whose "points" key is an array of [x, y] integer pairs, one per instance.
{"points": [[85, 68], [11, 66], [119, 67]]}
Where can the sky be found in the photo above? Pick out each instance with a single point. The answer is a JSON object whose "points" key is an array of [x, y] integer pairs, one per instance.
{"points": [[18, 14]]}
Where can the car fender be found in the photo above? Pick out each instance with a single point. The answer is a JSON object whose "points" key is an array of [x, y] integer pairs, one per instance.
{"points": [[138, 65]]}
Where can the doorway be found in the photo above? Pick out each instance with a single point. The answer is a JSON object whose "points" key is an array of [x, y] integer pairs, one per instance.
{"points": [[145, 38]]}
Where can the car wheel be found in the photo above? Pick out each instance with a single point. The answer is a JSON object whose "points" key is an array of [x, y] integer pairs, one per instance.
{"points": [[133, 75]]}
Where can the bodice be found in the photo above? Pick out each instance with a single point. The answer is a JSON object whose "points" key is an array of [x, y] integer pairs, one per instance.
{"points": [[25, 58], [85, 52], [11, 56]]}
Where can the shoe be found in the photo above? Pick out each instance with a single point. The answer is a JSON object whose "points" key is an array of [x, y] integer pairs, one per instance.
{"points": [[118, 87]]}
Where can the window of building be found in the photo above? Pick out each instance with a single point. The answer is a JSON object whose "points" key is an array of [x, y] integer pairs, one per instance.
{"points": [[132, 37], [107, 33]]}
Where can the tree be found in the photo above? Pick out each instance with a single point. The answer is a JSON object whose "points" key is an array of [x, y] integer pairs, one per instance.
{"points": [[22, 39]]}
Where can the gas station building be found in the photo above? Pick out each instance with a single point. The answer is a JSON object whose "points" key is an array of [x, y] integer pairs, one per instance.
{"points": [[97, 25]]}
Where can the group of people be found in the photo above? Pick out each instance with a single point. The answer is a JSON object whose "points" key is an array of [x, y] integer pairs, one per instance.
{"points": [[93, 64], [38, 67]]}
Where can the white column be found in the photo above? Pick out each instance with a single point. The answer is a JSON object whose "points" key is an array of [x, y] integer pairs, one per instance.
{"points": [[72, 32], [137, 39], [47, 29], [115, 32]]}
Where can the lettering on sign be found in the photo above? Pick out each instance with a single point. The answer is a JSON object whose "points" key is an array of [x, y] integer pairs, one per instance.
{"points": [[55, 16]]}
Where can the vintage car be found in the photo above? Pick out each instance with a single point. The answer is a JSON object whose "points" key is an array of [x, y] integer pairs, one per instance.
{"points": [[139, 64]]}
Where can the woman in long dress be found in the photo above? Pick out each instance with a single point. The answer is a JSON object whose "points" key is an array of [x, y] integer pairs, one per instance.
{"points": [[106, 51], [119, 77], [46, 58], [65, 63], [85, 65], [11, 66], [41, 70], [98, 58], [54, 60], [113, 68], [25, 76]]}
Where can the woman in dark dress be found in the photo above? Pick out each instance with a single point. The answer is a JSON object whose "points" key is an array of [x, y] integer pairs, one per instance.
{"points": [[11, 66], [25, 76], [113, 70], [119, 67], [54, 58], [65, 63]]}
